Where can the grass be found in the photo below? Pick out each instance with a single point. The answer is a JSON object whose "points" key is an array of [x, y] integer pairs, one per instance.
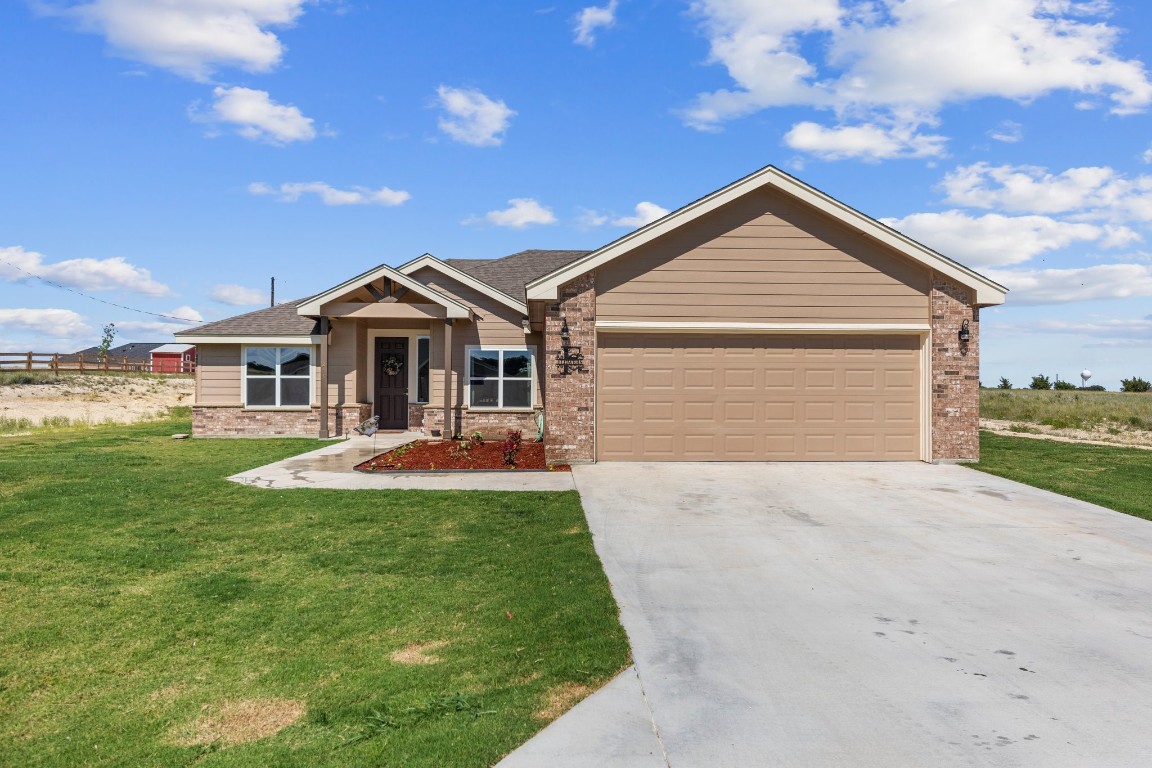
{"points": [[1067, 409], [156, 615], [1117, 478]]}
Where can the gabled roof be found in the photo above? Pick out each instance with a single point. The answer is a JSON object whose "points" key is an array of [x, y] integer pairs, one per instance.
{"points": [[134, 349], [501, 279], [280, 320], [453, 269], [987, 292], [453, 308]]}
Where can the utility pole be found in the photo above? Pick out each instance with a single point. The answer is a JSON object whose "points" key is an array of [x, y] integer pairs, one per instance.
{"points": [[272, 302]]}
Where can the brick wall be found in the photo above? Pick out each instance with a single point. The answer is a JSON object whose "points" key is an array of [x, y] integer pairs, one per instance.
{"points": [[570, 400], [415, 416], [955, 374], [235, 421], [491, 424]]}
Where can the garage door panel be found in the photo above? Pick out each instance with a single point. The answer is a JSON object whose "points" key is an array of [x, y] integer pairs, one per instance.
{"points": [[746, 397]]}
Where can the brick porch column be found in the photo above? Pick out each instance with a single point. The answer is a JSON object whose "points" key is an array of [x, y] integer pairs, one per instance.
{"points": [[570, 400]]}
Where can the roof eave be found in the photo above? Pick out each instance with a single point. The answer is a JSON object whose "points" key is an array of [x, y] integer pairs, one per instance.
{"points": [[454, 309]]}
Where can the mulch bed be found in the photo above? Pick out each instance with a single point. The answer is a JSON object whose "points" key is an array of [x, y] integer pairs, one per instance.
{"points": [[428, 455]]}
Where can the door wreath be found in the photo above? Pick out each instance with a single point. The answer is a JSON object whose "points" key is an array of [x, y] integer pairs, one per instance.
{"points": [[391, 364]]}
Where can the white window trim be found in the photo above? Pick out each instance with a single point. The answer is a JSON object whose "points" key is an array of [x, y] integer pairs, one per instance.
{"points": [[312, 365], [466, 373], [413, 335]]}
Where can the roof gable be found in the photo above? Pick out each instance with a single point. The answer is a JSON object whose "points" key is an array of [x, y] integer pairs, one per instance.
{"points": [[501, 279], [453, 308], [987, 292]]}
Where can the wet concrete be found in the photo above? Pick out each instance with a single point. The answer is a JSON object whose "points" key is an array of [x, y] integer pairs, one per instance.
{"points": [[331, 467]]}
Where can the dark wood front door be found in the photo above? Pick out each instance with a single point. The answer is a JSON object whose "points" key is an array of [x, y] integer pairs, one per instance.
{"points": [[391, 396]]}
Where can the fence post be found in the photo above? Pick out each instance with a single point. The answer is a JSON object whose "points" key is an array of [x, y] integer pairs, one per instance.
{"points": [[29, 363], [55, 362]]}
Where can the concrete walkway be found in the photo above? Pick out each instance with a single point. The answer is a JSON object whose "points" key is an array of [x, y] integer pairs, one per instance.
{"points": [[331, 467], [863, 615]]}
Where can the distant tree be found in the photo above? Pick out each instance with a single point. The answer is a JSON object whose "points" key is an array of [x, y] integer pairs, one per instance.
{"points": [[1040, 382], [1004, 384], [1134, 384], [1063, 385], [106, 341], [1094, 388]]}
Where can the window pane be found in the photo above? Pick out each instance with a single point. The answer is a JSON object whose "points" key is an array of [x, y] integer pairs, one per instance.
{"points": [[294, 392], [517, 365], [485, 393], [517, 394], [261, 361], [422, 368], [483, 363], [294, 361], [261, 391]]}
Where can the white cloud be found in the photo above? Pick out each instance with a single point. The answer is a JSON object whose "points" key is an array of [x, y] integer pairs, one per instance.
{"points": [[521, 212], [1008, 131], [473, 118], [1059, 286], [645, 213], [237, 295], [329, 195], [996, 240], [192, 37], [590, 219], [885, 59], [186, 314], [256, 116], [1147, 156], [1089, 192], [114, 274], [867, 141], [1118, 331], [50, 323], [594, 18]]}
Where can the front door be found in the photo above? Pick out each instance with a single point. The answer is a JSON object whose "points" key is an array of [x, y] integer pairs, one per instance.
{"points": [[391, 396]]}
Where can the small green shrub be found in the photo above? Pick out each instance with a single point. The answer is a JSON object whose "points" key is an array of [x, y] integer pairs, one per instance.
{"points": [[1040, 382], [1065, 385]]}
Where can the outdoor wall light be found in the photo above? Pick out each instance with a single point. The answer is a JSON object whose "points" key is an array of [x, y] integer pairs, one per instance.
{"points": [[564, 334], [965, 333]]}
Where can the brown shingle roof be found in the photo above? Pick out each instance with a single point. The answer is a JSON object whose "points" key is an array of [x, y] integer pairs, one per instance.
{"points": [[510, 274], [280, 320]]}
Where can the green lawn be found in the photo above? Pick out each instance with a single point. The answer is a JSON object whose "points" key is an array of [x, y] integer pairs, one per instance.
{"points": [[154, 614], [1117, 478]]}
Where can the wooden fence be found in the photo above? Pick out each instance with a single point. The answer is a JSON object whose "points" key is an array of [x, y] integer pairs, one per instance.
{"points": [[55, 362]]}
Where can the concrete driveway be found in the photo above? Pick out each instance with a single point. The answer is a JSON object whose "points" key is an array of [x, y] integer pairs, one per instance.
{"points": [[875, 615]]}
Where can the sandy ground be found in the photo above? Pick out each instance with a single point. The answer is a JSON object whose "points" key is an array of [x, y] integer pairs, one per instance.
{"points": [[1132, 438], [87, 399]]}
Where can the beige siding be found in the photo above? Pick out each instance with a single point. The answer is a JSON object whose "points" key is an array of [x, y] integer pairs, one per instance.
{"points": [[763, 258], [218, 375], [342, 362], [757, 398], [496, 325]]}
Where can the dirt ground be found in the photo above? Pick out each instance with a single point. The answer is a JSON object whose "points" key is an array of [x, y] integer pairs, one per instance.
{"points": [[95, 399], [1131, 438]]}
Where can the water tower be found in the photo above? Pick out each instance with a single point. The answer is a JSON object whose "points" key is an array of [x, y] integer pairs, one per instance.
{"points": [[1084, 376]]}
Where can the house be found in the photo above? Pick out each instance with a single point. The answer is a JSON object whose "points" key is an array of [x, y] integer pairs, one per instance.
{"points": [[133, 351], [766, 321], [174, 358]]}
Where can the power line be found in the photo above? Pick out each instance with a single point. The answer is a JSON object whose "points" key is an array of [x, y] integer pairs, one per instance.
{"points": [[46, 281]]}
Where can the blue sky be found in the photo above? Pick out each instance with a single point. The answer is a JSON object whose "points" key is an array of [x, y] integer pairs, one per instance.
{"points": [[172, 156]]}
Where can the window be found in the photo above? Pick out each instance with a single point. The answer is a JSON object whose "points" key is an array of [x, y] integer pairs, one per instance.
{"points": [[276, 377], [499, 378], [423, 354]]}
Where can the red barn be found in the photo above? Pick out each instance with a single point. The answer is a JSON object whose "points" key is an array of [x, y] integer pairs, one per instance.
{"points": [[174, 358]]}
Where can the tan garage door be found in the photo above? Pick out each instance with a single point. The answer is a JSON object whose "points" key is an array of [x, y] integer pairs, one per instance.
{"points": [[702, 397]]}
